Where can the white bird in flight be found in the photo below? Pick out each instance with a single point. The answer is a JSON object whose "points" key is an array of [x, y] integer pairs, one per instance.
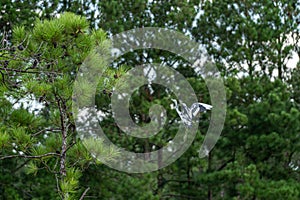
{"points": [[187, 114]]}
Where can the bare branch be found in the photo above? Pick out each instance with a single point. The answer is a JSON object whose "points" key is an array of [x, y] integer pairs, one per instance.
{"points": [[57, 186], [29, 72], [44, 130], [28, 156], [84, 193]]}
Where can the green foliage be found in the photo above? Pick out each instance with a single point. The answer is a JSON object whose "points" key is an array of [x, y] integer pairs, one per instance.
{"points": [[69, 185], [100, 151], [257, 156], [4, 138], [31, 168]]}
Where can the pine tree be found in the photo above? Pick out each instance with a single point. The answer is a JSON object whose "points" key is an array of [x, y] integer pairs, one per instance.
{"points": [[42, 72]]}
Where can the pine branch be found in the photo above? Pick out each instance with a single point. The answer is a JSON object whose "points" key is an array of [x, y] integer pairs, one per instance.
{"points": [[29, 72], [28, 156], [44, 130]]}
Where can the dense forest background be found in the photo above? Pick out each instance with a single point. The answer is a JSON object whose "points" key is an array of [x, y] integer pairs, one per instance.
{"points": [[254, 44]]}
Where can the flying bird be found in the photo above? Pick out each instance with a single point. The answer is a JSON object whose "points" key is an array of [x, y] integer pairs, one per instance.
{"points": [[188, 114]]}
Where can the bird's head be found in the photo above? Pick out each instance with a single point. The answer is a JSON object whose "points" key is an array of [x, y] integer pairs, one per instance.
{"points": [[174, 101]]}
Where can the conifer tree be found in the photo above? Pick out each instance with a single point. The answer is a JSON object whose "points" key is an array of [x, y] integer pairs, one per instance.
{"points": [[40, 68]]}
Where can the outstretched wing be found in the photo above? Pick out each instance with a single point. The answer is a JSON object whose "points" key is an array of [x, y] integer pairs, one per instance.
{"points": [[206, 106], [199, 107]]}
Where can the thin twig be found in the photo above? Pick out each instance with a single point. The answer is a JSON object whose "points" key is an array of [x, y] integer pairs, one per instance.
{"points": [[49, 169], [27, 156], [84, 193], [44, 130], [22, 165], [29, 72], [57, 186]]}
